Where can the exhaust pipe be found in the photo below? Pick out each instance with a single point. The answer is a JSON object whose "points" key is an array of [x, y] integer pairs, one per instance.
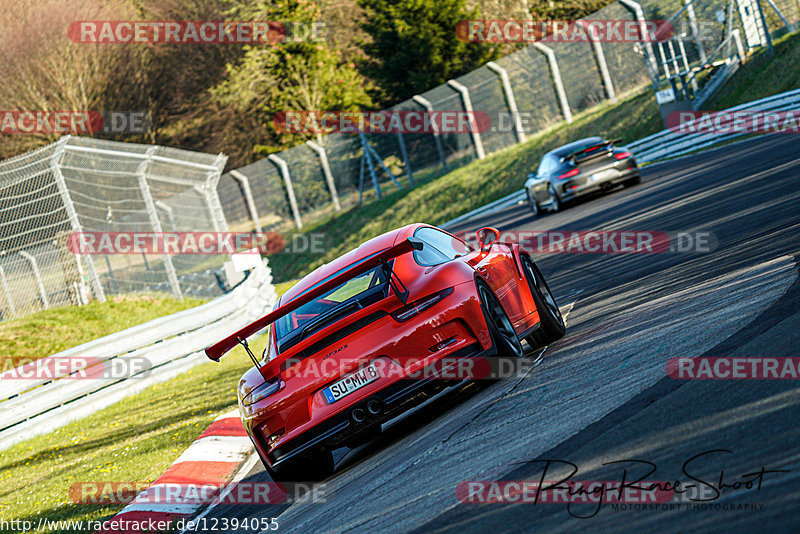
{"points": [[374, 406], [358, 415]]}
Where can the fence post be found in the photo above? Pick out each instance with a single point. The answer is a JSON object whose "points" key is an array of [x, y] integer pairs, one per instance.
{"points": [[366, 159], [510, 99], [476, 135], [601, 63], [424, 102], [163, 206], [72, 215], [559, 85], [212, 197], [764, 27], [244, 181], [204, 192], [10, 301], [695, 30], [404, 153], [326, 170], [155, 222], [650, 56], [38, 276], [739, 46], [287, 179]]}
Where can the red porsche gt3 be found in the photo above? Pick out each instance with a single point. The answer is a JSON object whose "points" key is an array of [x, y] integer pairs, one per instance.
{"points": [[351, 344]]}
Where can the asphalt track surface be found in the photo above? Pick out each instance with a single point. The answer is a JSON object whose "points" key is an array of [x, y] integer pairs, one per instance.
{"points": [[602, 393]]}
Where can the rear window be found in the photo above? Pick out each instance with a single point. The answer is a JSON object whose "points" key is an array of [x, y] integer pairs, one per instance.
{"points": [[349, 292], [583, 146]]}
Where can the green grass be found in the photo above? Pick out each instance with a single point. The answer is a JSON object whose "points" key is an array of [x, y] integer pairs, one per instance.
{"points": [[762, 76], [134, 440], [50, 331]]}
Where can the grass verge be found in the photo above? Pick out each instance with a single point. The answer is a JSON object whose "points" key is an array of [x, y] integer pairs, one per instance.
{"points": [[134, 440], [50, 331]]}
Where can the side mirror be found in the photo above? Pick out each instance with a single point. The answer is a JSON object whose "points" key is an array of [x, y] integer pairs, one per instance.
{"points": [[416, 243], [486, 236]]}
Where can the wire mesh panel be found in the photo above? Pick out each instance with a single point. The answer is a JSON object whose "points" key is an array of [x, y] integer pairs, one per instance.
{"points": [[487, 96], [533, 88], [269, 193], [308, 180], [34, 265], [458, 147], [91, 185], [626, 61], [344, 158]]}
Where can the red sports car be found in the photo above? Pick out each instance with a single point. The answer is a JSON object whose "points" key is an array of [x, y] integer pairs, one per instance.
{"points": [[361, 340]]}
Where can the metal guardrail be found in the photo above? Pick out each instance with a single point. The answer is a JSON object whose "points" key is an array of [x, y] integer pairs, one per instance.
{"points": [[668, 143], [34, 406], [662, 145]]}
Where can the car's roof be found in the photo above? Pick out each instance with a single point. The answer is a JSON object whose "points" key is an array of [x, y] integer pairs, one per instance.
{"points": [[368, 248], [575, 145]]}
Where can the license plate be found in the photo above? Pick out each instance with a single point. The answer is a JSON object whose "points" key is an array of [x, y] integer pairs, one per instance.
{"points": [[350, 383], [602, 175]]}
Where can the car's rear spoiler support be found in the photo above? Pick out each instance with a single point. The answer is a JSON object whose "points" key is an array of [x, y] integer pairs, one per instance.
{"points": [[219, 349]]}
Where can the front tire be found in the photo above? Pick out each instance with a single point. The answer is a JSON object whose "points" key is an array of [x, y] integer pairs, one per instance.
{"points": [[551, 323]]}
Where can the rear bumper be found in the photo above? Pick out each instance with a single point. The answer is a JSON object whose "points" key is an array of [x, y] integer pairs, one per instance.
{"points": [[585, 184], [395, 399]]}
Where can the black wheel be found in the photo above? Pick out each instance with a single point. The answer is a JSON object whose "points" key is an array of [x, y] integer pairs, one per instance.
{"points": [[636, 180], [557, 204], [533, 205], [500, 328], [551, 325], [312, 467]]}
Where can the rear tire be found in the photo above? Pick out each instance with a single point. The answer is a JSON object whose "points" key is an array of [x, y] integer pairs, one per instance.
{"points": [[500, 328], [636, 180], [313, 467], [557, 205], [551, 323]]}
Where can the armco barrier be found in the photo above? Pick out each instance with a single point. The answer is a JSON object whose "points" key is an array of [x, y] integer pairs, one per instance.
{"points": [[662, 145], [168, 346], [668, 144]]}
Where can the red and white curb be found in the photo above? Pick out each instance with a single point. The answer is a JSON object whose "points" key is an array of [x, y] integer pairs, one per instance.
{"points": [[212, 459]]}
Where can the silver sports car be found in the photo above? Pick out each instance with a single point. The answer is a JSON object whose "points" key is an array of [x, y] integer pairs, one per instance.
{"points": [[577, 169]]}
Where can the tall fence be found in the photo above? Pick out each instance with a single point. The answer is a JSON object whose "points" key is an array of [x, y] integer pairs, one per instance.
{"points": [[83, 185], [80, 184], [543, 84]]}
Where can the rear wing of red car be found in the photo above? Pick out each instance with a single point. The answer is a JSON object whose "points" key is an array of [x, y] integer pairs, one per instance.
{"points": [[219, 349]]}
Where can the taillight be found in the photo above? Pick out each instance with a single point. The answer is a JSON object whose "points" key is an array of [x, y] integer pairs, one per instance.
{"points": [[569, 174], [418, 306], [623, 155]]}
